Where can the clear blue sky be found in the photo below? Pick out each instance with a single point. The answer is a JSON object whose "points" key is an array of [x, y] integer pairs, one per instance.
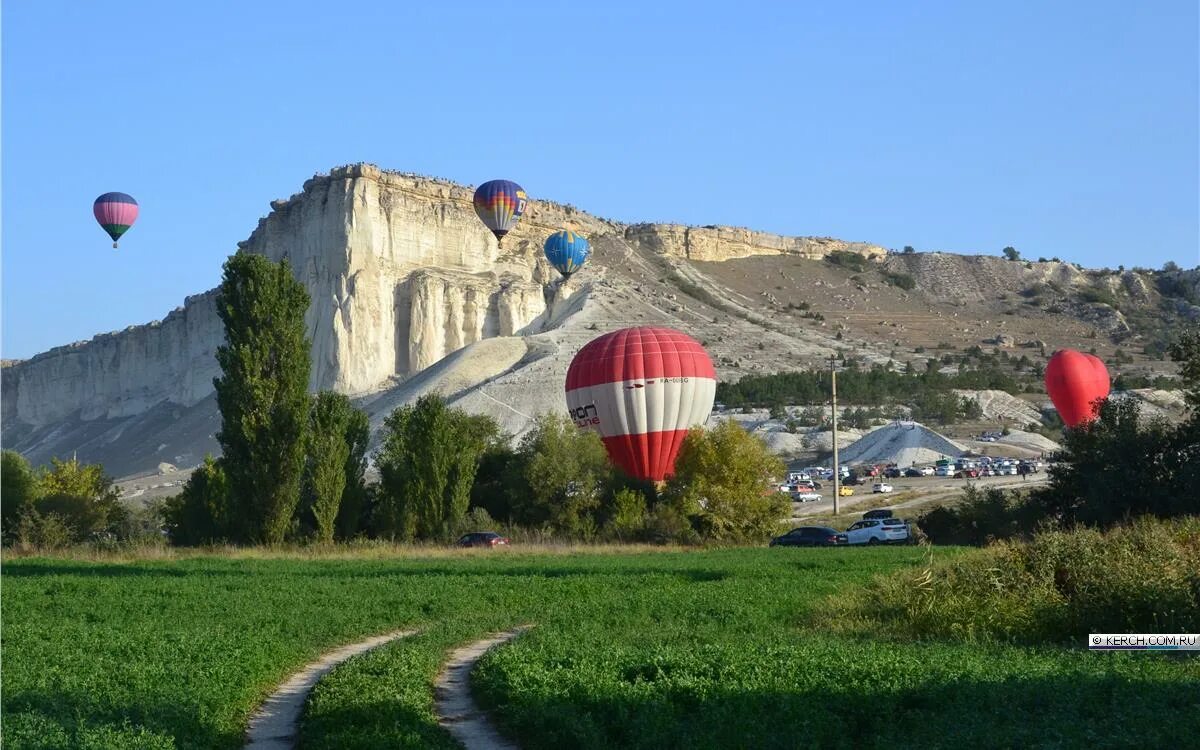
{"points": [[1061, 128]]}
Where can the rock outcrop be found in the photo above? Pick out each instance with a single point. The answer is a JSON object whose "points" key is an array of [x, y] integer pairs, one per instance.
{"points": [[726, 243], [401, 274]]}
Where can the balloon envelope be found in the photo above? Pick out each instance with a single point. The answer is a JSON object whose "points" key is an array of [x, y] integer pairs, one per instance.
{"points": [[1075, 381], [641, 389], [567, 251], [116, 213], [499, 205]]}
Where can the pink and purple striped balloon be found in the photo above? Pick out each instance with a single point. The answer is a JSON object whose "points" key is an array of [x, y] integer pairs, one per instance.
{"points": [[116, 213]]}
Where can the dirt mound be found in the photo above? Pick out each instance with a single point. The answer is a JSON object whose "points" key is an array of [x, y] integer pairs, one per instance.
{"points": [[901, 443], [998, 405]]}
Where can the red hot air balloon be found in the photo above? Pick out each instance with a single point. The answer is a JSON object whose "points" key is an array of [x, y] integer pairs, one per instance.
{"points": [[1075, 381], [641, 389]]}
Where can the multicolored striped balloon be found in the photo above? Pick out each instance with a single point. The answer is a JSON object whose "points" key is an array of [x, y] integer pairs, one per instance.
{"points": [[116, 213], [499, 204], [641, 389], [567, 251]]}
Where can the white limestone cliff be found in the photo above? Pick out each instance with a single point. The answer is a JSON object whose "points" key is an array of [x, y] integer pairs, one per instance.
{"points": [[401, 273]]}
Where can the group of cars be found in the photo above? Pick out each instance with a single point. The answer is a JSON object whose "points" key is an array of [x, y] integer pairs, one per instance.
{"points": [[876, 527]]}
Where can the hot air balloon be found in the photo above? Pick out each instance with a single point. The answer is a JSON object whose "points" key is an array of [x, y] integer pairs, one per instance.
{"points": [[567, 251], [641, 389], [500, 204], [116, 213], [1075, 381]]}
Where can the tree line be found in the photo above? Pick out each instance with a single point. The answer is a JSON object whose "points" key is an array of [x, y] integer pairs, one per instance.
{"points": [[929, 395], [294, 465]]}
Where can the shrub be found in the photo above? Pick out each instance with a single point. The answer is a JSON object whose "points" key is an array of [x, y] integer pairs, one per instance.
{"points": [[981, 516], [848, 260], [1056, 588], [627, 519], [1099, 296], [902, 280]]}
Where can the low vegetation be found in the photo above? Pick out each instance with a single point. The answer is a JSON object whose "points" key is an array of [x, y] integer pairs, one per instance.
{"points": [[708, 649], [850, 261], [1143, 577]]}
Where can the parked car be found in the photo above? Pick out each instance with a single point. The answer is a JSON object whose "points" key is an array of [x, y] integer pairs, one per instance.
{"points": [[806, 496], [912, 472], [892, 472], [966, 474], [927, 471], [882, 487], [878, 531], [810, 536], [878, 513], [808, 486], [482, 539], [845, 491], [944, 471]]}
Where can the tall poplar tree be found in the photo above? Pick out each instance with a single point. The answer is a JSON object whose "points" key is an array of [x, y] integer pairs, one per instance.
{"points": [[262, 393]]}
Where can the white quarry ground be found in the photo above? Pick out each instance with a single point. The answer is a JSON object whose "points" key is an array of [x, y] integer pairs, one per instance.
{"points": [[901, 443]]}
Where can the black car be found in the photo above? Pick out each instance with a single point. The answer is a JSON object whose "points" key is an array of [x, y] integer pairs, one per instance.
{"points": [[811, 536], [912, 472], [891, 472], [482, 539], [880, 513]]}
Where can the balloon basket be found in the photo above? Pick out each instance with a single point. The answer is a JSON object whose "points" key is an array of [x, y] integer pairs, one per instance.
{"points": [[114, 246]]}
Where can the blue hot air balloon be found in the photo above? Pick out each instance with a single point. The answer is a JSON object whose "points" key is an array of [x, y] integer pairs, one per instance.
{"points": [[499, 204], [567, 251]]}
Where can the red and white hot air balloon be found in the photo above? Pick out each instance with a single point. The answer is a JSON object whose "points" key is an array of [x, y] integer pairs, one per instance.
{"points": [[641, 389], [1075, 382]]}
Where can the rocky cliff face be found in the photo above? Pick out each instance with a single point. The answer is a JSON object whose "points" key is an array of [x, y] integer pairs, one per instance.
{"points": [[727, 243], [401, 273]]}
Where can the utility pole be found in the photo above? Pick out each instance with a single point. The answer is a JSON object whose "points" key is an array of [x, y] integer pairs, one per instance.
{"points": [[837, 469]]}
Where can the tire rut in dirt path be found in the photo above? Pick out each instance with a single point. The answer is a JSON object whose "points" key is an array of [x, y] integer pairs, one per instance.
{"points": [[457, 711], [275, 724]]}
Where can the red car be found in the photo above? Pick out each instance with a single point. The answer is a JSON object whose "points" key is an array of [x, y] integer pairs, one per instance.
{"points": [[965, 473], [482, 539]]}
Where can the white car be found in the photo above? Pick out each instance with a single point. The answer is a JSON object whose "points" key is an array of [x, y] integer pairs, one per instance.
{"points": [[806, 497], [944, 471], [926, 471], [877, 531], [882, 487]]}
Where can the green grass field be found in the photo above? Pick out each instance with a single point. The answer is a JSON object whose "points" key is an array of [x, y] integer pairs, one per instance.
{"points": [[699, 649]]}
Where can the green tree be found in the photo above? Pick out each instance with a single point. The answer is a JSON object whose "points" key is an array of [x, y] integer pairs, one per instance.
{"points": [[1186, 351], [722, 483], [201, 514], [627, 518], [559, 477], [18, 491], [908, 250], [1011, 253], [328, 459], [427, 466], [262, 393], [491, 489], [83, 496], [353, 508]]}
